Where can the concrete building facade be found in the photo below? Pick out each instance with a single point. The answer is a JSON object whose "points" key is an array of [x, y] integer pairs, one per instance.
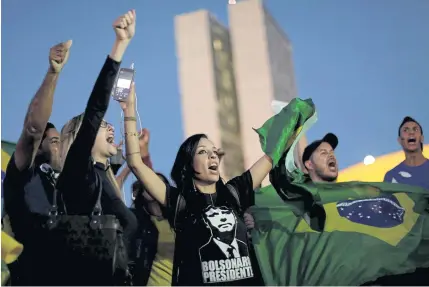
{"points": [[229, 77]]}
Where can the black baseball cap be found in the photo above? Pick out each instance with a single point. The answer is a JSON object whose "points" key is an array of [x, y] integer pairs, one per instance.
{"points": [[408, 119], [329, 138]]}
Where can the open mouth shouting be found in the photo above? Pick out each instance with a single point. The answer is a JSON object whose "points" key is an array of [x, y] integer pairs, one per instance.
{"points": [[412, 141], [214, 168], [332, 164], [111, 140]]}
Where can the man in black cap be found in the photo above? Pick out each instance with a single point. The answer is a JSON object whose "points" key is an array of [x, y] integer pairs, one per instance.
{"points": [[414, 170], [319, 159]]}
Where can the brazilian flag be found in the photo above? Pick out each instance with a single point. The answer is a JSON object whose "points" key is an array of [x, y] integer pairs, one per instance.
{"points": [[333, 233], [7, 149]]}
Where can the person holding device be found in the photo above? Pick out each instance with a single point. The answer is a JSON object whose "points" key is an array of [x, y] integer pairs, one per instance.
{"points": [[120, 93], [86, 146], [122, 86]]}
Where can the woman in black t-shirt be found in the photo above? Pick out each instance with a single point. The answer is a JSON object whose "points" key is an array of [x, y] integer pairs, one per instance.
{"points": [[212, 246]]}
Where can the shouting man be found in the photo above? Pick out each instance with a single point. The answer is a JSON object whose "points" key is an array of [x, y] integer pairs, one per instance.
{"points": [[319, 159], [414, 170]]}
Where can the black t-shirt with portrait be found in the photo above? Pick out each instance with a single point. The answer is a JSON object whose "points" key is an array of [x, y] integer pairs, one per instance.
{"points": [[212, 247]]}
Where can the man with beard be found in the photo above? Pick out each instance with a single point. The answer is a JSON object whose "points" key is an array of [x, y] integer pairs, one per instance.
{"points": [[319, 159], [320, 162], [414, 170], [320, 165], [31, 174]]}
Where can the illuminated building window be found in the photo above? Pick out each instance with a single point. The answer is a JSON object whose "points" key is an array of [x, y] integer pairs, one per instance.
{"points": [[227, 102], [217, 45], [231, 121], [226, 80], [223, 60]]}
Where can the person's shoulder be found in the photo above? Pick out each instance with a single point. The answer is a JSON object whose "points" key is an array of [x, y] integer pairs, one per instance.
{"points": [[15, 175], [133, 209], [426, 164], [11, 165], [172, 192], [395, 169], [243, 180]]}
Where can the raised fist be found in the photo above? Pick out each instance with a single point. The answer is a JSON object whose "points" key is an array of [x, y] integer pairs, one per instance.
{"points": [[125, 26], [58, 56]]}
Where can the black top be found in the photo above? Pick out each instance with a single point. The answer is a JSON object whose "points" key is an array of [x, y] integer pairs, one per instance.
{"points": [[28, 198], [77, 180], [144, 247], [26, 193], [212, 247]]}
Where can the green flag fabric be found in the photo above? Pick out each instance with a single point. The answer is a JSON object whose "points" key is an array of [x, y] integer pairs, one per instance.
{"points": [[371, 230], [279, 132], [334, 233]]}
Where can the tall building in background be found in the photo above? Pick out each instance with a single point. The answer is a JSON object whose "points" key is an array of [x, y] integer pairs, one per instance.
{"points": [[228, 78], [207, 85]]}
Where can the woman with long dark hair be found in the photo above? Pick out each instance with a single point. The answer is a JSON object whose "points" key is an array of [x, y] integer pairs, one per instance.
{"points": [[212, 246]]}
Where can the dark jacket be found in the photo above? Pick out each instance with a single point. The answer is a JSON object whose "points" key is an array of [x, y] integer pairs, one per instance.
{"points": [[143, 247]]}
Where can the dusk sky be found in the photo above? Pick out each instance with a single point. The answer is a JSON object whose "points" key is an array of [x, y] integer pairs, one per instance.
{"points": [[364, 63]]}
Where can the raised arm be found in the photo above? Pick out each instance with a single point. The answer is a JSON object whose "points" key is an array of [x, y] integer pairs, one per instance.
{"points": [[250, 180], [260, 170], [153, 184], [76, 163], [123, 175], [126, 171], [144, 151], [40, 109]]}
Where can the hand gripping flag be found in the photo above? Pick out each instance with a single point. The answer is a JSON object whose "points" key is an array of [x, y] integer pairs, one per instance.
{"points": [[338, 233]]}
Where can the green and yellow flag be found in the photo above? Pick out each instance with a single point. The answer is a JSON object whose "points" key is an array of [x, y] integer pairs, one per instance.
{"points": [[7, 149], [10, 251], [339, 233]]}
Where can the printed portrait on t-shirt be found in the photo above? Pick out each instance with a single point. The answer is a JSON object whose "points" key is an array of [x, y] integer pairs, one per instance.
{"points": [[224, 257]]}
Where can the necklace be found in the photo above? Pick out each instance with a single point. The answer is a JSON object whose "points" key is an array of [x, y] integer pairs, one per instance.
{"points": [[211, 199], [196, 190]]}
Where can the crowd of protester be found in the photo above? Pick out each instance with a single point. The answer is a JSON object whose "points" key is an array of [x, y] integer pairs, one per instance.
{"points": [[173, 234]]}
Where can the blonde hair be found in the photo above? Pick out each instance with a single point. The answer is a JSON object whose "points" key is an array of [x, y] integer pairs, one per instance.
{"points": [[68, 135]]}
